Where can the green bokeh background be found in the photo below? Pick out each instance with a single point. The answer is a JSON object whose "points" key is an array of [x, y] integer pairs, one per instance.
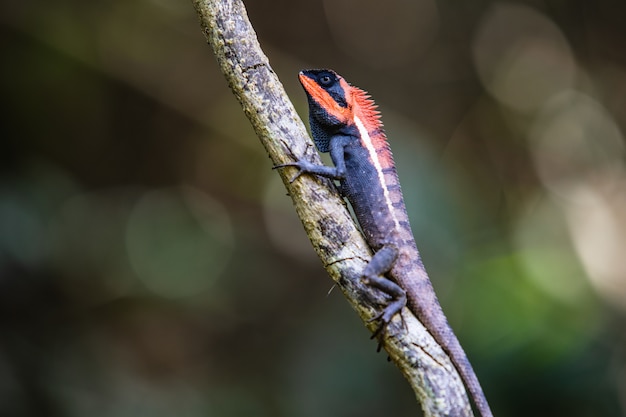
{"points": [[151, 264]]}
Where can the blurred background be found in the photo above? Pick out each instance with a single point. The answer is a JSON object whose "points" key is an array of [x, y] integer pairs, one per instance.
{"points": [[152, 265]]}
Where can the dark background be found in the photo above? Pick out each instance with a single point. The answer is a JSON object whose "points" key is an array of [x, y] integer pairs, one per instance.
{"points": [[151, 264]]}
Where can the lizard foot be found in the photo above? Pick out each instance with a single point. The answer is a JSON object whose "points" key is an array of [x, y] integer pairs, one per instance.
{"points": [[384, 318], [301, 165]]}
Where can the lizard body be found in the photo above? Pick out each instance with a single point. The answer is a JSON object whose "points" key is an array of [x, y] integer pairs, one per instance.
{"points": [[344, 121]]}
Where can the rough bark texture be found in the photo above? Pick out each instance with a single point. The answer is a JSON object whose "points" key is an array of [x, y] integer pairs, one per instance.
{"points": [[324, 215]]}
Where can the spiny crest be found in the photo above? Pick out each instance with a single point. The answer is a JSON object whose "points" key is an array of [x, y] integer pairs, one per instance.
{"points": [[367, 110]]}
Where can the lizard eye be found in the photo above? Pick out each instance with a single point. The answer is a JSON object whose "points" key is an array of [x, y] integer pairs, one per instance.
{"points": [[325, 80]]}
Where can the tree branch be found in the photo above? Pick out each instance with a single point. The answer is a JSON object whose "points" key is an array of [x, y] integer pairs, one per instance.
{"points": [[327, 222]]}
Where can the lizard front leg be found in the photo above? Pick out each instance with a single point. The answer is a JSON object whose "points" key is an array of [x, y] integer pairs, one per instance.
{"points": [[338, 172]]}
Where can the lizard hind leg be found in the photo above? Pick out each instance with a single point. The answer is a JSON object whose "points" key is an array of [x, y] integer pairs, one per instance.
{"points": [[373, 275]]}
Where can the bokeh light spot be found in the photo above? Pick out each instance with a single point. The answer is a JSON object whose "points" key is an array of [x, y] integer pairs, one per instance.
{"points": [[179, 241], [521, 57], [546, 254], [575, 141], [598, 228], [20, 228], [86, 244], [382, 34], [26, 206]]}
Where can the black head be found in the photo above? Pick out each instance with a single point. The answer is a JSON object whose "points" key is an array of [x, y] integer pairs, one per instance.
{"points": [[328, 81]]}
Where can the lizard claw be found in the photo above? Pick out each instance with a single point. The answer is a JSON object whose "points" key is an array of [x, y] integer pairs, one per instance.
{"points": [[301, 165], [290, 164], [379, 332], [384, 318]]}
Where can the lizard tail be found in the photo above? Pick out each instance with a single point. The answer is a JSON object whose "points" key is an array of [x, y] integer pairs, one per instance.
{"points": [[423, 302]]}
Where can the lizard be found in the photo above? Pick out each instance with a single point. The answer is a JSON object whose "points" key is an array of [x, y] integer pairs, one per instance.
{"points": [[344, 121]]}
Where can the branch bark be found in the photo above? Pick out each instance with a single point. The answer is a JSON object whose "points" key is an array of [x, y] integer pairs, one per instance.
{"points": [[327, 222]]}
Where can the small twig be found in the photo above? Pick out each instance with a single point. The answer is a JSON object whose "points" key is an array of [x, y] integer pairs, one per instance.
{"points": [[326, 220]]}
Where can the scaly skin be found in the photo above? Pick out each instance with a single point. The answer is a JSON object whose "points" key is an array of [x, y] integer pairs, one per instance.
{"points": [[344, 121]]}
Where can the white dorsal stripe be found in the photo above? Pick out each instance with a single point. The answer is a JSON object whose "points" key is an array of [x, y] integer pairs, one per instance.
{"points": [[369, 145]]}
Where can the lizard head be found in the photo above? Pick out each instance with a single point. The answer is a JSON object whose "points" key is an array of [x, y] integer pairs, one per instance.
{"points": [[329, 109], [328, 96]]}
